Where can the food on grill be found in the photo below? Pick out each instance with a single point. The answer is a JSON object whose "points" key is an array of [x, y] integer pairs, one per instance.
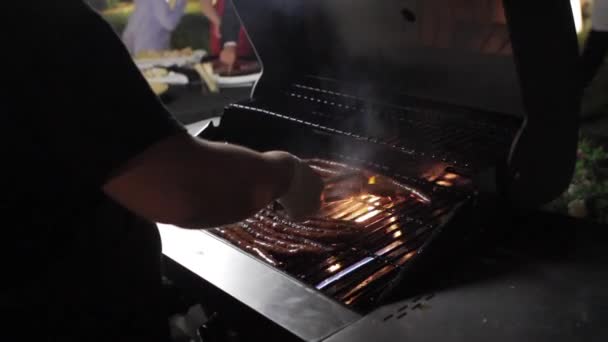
{"points": [[323, 171], [246, 244], [333, 224], [314, 232], [362, 198], [266, 226], [275, 244], [344, 181]]}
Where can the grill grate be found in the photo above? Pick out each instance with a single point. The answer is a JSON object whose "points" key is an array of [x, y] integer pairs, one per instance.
{"points": [[371, 237], [428, 153], [419, 131]]}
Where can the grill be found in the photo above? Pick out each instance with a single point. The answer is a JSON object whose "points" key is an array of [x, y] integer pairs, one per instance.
{"points": [[450, 134], [358, 243]]}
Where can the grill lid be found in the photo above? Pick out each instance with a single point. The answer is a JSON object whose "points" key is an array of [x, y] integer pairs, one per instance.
{"points": [[452, 51], [509, 57]]}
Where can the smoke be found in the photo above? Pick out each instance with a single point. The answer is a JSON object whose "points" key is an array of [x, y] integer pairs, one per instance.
{"points": [[361, 116]]}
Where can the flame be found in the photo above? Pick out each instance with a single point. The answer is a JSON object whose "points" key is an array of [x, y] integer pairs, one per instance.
{"points": [[333, 268], [372, 199], [368, 216], [393, 227], [372, 180]]}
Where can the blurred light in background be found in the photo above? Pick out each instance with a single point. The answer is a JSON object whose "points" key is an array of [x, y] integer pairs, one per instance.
{"points": [[578, 15]]}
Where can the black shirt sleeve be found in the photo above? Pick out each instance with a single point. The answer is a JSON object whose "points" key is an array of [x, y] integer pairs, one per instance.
{"points": [[100, 111]]}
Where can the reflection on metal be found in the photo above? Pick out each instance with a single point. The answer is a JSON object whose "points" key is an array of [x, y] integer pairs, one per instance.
{"points": [[379, 274], [390, 247], [405, 258], [344, 273]]}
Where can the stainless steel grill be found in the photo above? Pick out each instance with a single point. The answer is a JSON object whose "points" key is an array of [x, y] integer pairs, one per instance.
{"points": [[418, 101], [358, 243]]}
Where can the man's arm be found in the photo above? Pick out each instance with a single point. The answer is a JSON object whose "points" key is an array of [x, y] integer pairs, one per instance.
{"points": [[126, 143], [194, 183]]}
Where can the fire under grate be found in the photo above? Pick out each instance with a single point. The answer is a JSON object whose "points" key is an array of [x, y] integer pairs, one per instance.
{"points": [[369, 227]]}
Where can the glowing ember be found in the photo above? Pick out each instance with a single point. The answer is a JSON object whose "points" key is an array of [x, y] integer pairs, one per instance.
{"points": [[444, 183], [397, 234], [333, 268], [354, 213], [450, 176], [392, 228], [372, 180], [367, 216], [373, 199]]}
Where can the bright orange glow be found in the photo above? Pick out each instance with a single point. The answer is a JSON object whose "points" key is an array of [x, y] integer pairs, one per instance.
{"points": [[450, 176], [372, 180], [333, 268], [445, 184], [392, 228], [397, 234], [368, 216]]}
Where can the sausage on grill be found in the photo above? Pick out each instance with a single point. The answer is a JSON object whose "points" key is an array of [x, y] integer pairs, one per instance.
{"points": [[325, 172], [313, 233], [328, 223], [265, 225], [246, 244], [270, 236]]}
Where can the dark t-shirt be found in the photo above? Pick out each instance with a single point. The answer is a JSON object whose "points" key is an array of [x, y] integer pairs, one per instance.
{"points": [[75, 264]]}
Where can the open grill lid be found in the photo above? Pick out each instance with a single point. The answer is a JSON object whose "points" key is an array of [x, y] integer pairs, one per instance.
{"points": [[511, 57]]}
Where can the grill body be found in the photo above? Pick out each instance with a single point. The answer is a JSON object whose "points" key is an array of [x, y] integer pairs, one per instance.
{"points": [[422, 110]]}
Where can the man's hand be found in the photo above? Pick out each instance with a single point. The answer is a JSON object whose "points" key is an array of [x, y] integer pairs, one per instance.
{"points": [[228, 56], [195, 183], [303, 196]]}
